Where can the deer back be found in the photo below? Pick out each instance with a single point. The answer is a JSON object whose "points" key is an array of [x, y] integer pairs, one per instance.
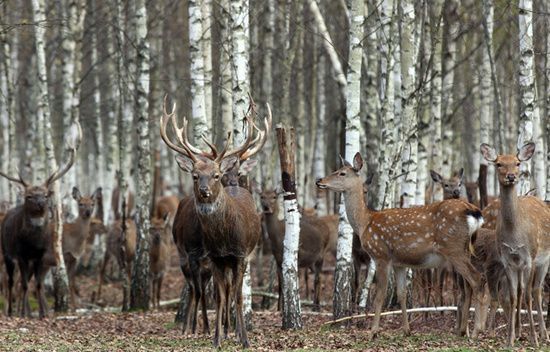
{"points": [[166, 205], [114, 241]]}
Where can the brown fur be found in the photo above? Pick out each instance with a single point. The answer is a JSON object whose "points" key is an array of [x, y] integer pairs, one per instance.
{"points": [[420, 237], [116, 203], [166, 205], [522, 238], [314, 242], [159, 252], [75, 236]]}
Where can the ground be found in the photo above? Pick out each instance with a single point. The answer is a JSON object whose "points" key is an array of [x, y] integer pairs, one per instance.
{"points": [[156, 330]]}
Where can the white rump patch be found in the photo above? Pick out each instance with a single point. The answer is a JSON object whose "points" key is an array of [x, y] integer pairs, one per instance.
{"points": [[473, 224]]}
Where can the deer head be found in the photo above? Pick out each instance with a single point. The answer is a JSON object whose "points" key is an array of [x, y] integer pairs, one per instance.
{"points": [[237, 174], [451, 186], [207, 168], [86, 205], [159, 227], [507, 165], [345, 177], [37, 196], [268, 200]]}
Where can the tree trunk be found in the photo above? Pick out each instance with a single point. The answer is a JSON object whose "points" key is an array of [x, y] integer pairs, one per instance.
{"points": [[409, 52], [384, 198], [225, 98], [292, 318], [319, 160], [44, 117], [140, 290], [206, 46], [437, 40], [529, 113], [547, 99]]}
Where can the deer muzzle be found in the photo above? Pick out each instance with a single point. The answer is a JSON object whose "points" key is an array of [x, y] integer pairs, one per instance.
{"points": [[320, 184]]}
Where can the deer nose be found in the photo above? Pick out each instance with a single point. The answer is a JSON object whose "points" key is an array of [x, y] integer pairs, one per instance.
{"points": [[511, 177], [456, 192], [318, 181], [204, 192]]}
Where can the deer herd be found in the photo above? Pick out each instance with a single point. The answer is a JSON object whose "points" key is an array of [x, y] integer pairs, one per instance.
{"points": [[498, 256]]}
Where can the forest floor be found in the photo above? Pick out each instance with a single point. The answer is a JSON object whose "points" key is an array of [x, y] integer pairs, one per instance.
{"points": [[102, 330]]}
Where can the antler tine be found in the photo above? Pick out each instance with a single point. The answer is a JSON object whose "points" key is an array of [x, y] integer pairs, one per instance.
{"points": [[164, 123], [13, 179], [225, 147], [240, 150], [211, 145], [262, 136], [184, 140], [61, 170]]}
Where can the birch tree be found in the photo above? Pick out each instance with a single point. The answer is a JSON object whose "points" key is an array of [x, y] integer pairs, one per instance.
{"points": [[139, 294], [206, 46], [409, 51], [292, 316], [44, 119], [547, 99], [344, 271], [319, 160], [529, 114], [225, 97], [196, 46]]}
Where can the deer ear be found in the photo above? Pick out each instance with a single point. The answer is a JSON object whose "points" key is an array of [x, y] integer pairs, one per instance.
{"points": [[357, 162], [97, 193], [185, 163], [460, 174], [436, 177], [228, 163], [248, 165], [526, 152], [76, 194], [488, 152]]}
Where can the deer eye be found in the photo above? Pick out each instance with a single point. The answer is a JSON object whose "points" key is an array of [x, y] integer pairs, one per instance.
{"points": [[195, 177], [216, 177], [499, 164], [342, 174], [518, 164]]}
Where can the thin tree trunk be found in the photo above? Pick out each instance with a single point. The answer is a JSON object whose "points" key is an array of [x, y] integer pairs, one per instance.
{"points": [[547, 99], [319, 160], [206, 46], [343, 276], [436, 110], [529, 113], [409, 52], [292, 318], [44, 117], [140, 290], [98, 155], [225, 90]]}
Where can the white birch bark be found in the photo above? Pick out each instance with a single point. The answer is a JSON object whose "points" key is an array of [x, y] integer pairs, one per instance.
{"points": [[425, 107], [206, 46], [196, 46], [226, 102], [448, 82], [485, 92], [344, 266], [529, 114], [384, 198], [44, 118], [319, 161], [139, 295], [328, 44], [436, 107], [409, 52], [547, 99], [240, 67], [98, 156], [289, 267]]}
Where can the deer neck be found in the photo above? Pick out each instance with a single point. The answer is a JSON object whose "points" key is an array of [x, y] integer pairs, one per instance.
{"points": [[356, 208], [215, 207], [83, 225], [508, 206], [272, 223]]}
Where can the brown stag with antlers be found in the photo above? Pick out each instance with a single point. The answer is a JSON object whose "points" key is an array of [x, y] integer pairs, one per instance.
{"points": [[26, 237], [227, 226]]}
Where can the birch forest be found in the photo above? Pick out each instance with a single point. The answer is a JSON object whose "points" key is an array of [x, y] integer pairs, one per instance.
{"points": [[303, 174]]}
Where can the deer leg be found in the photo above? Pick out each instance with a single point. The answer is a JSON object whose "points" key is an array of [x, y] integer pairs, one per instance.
{"points": [[39, 273], [306, 282], [238, 274], [102, 274], [482, 307], [228, 300], [219, 280], [382, 273], [538, 281], [159, 286], [193, 301], [317, 286], [513, 294], [10, 268], [70, 263], [187, 321], [205, 326], [401, 283], [527, 283], [25, 276]]}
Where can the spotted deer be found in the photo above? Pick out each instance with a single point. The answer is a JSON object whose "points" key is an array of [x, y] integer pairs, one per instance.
{"points": [[522, 240], [26, 235], [227, 221], [420, 237], [75, 235], [453, 186]]}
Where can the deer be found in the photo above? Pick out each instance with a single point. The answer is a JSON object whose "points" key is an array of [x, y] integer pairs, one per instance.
{"points": [[159, 253], [75, 235], [166, 205], [26, 235], [116, 204], [226, 216], [420, 237], [314, 242], [522, 240], [453, 186]]}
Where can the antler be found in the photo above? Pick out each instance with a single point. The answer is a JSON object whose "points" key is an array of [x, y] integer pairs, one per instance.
{"points": [[73, 147], [245, 151], [16, 180]]}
